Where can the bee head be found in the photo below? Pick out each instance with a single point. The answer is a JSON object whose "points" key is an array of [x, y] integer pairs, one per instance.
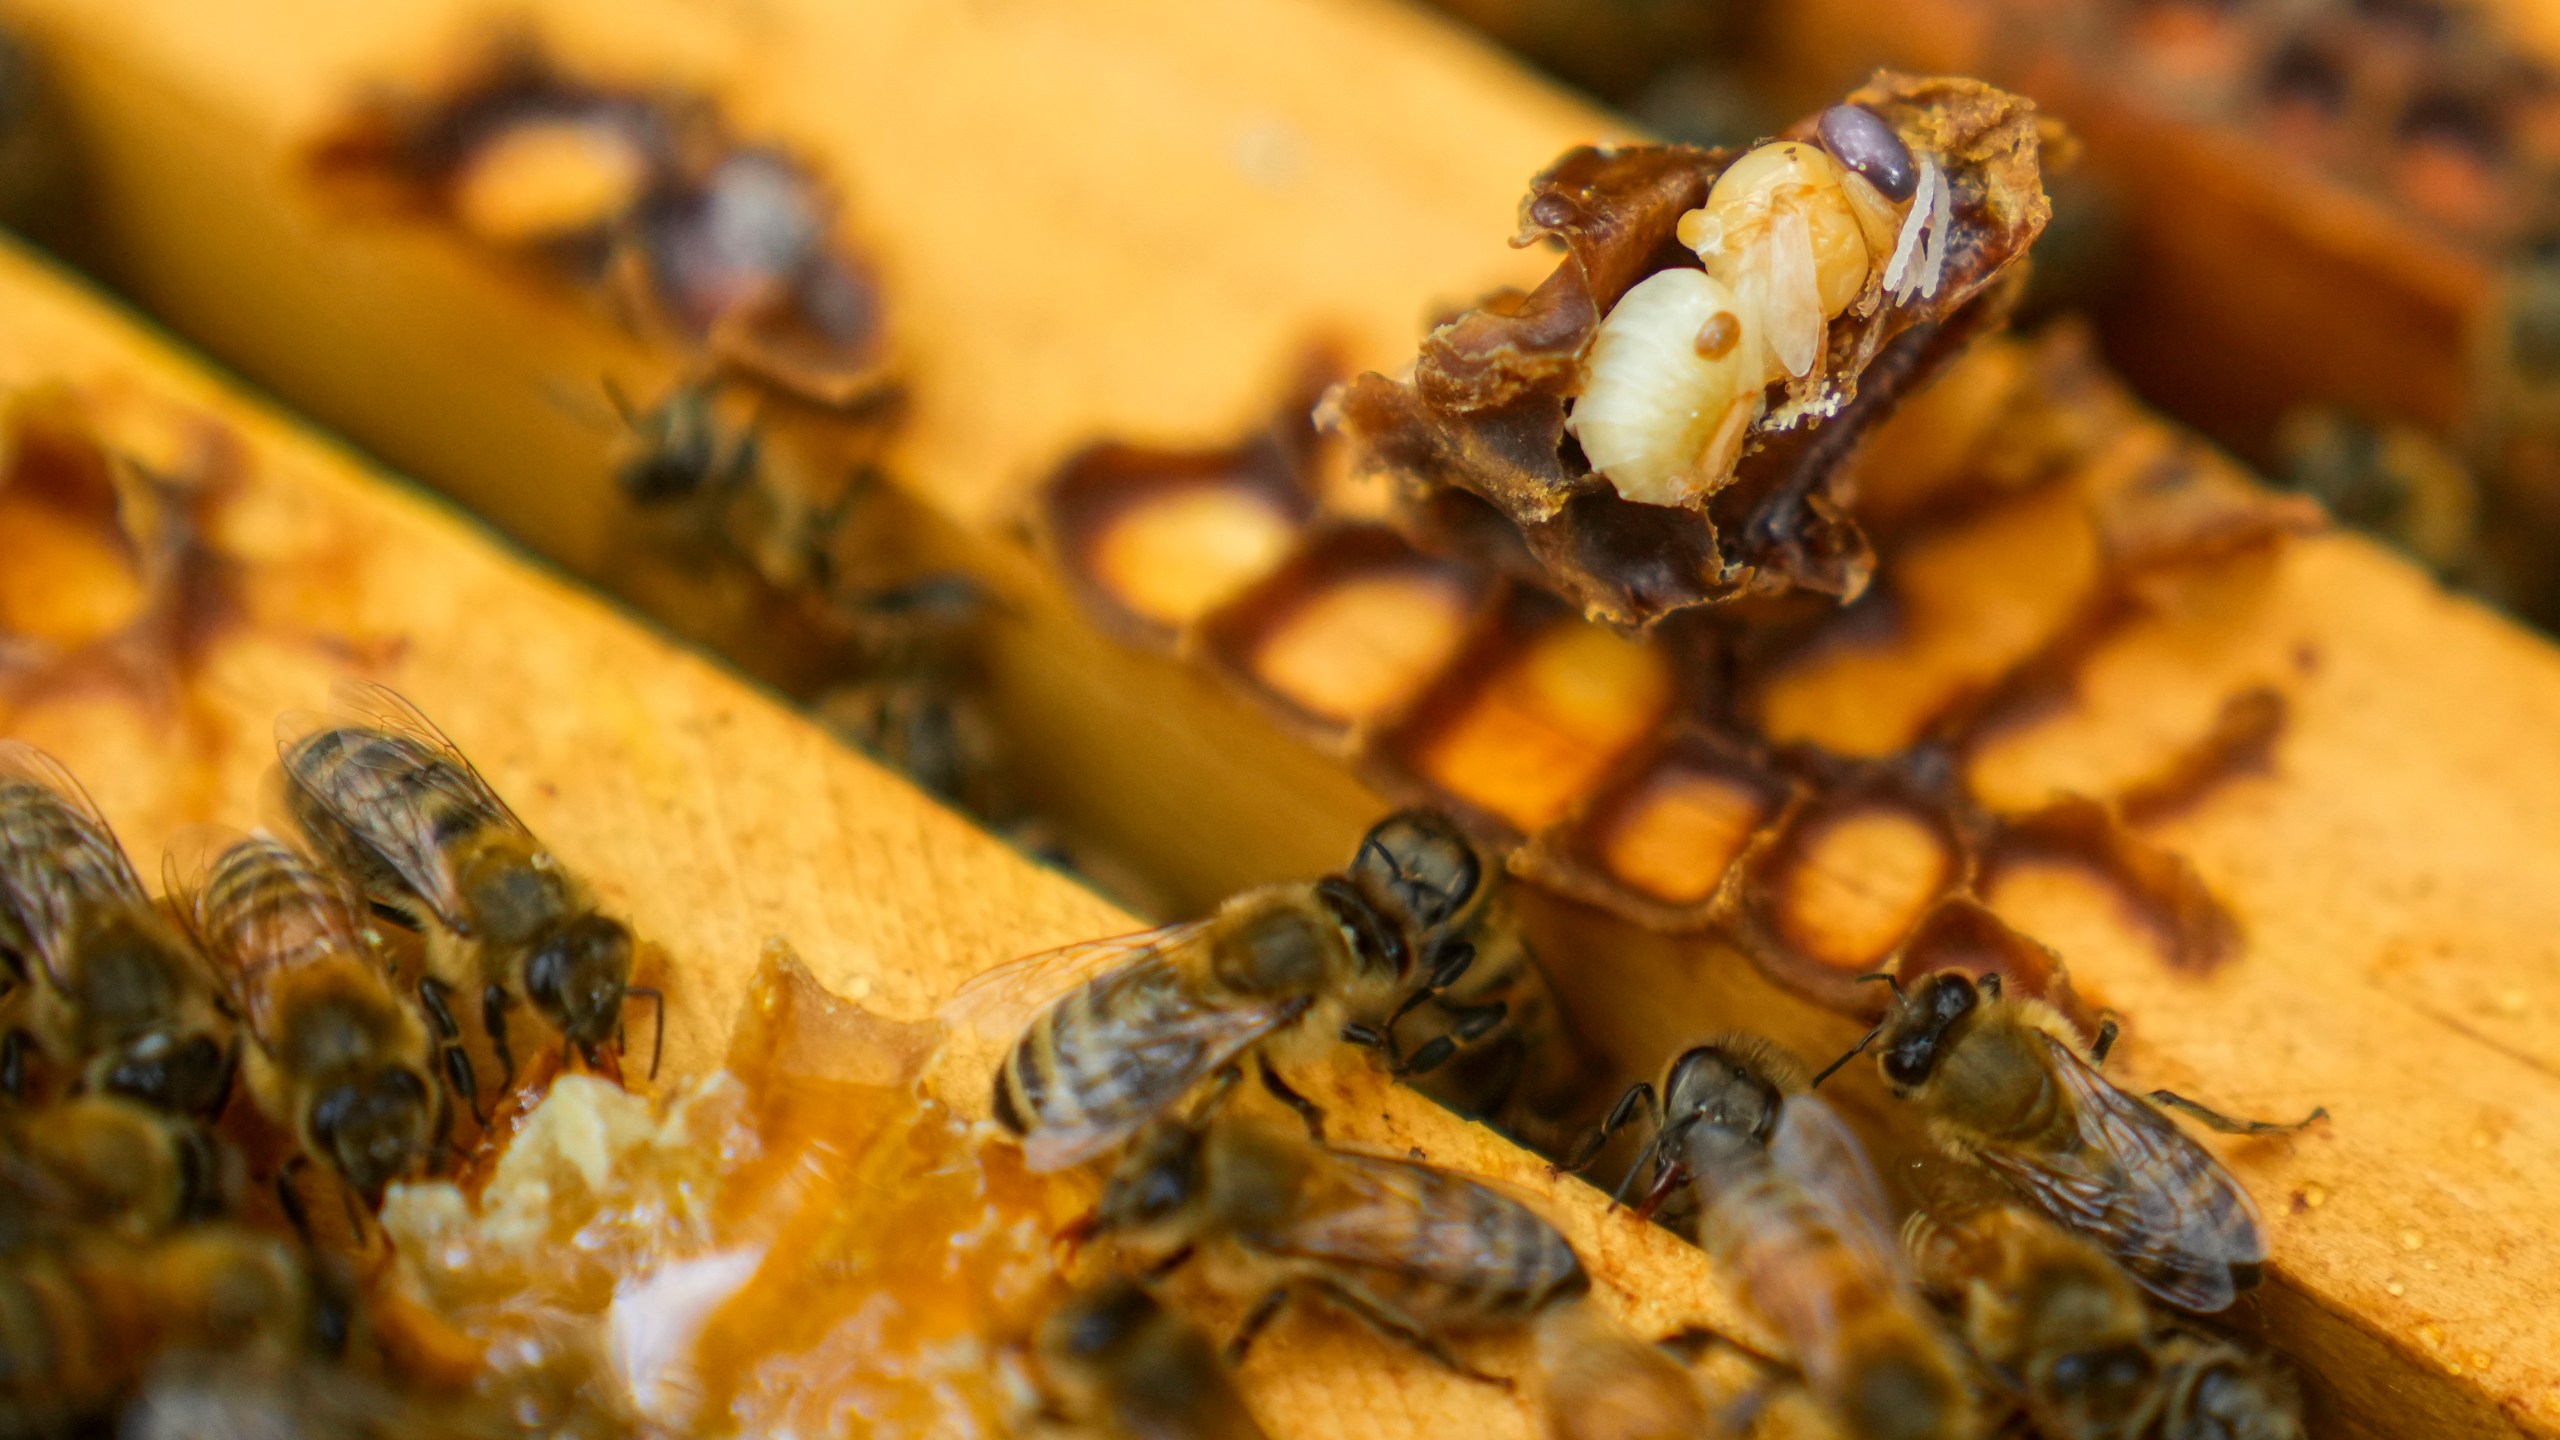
{"points": [[375, 1129], [1916, 1033], [1420, 866], [1274, 948], [184, 1073], [578, 976], [2111, 1381], [1159, 1178], [1725, 1090], [1102, 1322], [2231, 1397]]}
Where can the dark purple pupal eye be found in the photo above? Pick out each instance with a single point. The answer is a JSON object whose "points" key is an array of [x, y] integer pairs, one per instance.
{"points": [[1858, 138]]}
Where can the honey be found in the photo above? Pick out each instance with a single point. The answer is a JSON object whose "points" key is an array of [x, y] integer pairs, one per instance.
{"points": [[803, 1243]]}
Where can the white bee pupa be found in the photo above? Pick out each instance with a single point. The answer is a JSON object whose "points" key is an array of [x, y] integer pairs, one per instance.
{"points": [[1669, 373]]}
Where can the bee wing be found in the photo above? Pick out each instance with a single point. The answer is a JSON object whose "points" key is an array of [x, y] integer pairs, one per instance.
{"points": [[2144, 1190], [1180, 1046], [1376, 1211], [402, 833], [1000, 1003], [387, 709], [1813, 1147], [46, 897]]}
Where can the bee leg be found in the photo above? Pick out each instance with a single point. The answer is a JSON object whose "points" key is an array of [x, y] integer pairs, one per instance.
{"points": [[1286, 1094], [1639, 1097], [1435, 1052], [1397, 1327], [355, 1212], [1370, 1037], [493, 1017], [2106, 1040], [1474, 1022], [432, 996], [289, 1200], [1256, 1320], [1449, 967], [393, 915], [1170, 1263], [2230, 1125]]}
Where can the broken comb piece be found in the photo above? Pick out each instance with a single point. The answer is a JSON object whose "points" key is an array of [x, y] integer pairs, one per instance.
{"points": [[1664, 422]]}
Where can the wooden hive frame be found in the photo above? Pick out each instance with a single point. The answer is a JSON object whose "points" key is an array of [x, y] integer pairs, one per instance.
{"points": [[1360, 169]]}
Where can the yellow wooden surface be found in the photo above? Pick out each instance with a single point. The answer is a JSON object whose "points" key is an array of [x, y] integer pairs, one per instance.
{"points": [[1124, 217], [703, 811]]}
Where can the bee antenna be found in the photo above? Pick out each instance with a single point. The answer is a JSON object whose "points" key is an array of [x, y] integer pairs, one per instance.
{"points": [[1891, 980], [1854, 1051]]}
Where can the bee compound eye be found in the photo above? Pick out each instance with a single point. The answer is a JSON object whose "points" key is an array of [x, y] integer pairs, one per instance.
{"points": [[1860, 140]]}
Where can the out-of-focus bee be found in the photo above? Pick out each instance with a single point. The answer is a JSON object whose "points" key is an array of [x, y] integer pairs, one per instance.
{"points": [[111, 1164], [340, 1057], [388, 799], [1600, 1383], [2047, 1310], [1115, 1363], [1420, 1254], [2005, 1082], [1787, 1201], [83, 1317], [100, 981], [2073, 1332], [1276, 972], [680, 449], [2211, 1389]]}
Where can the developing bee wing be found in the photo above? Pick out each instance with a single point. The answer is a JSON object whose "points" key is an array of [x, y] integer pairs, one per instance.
{"points": [[1814, 1148], [64, 865], [2144, 1190], [1000, 1003]]}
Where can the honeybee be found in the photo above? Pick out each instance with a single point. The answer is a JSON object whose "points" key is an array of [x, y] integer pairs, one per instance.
{"points": [[112, 1164], [2005, 1082], [2076, 1335], [1418, 1253], [1115, 1363], [2212, 1389], [2048, 1310], [385, 797], [340, 1057], [1277, 972], [83, 1317], [680, 448], [100, 980], [1788, 1203]]}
